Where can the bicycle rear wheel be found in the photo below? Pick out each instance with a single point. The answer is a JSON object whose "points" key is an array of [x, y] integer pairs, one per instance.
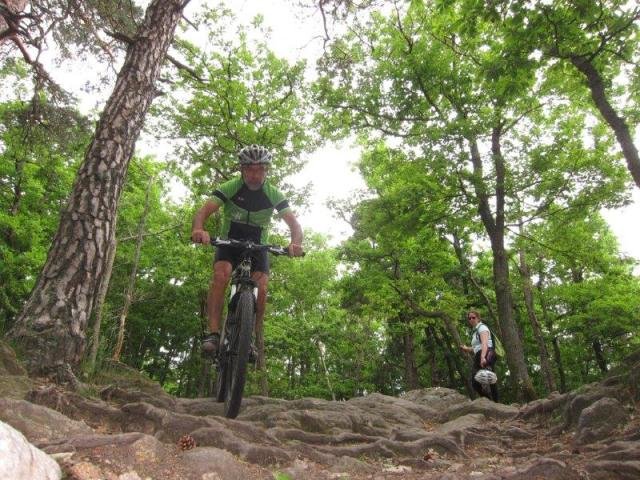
{"points": [[239, 353]]}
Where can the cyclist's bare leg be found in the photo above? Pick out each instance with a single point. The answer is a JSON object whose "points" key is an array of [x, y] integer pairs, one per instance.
{"points": [[215, 298], [262, 279]]}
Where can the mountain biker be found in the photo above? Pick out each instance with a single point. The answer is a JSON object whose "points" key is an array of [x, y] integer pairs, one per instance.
{"points": [[248, 202], [484, 356]]}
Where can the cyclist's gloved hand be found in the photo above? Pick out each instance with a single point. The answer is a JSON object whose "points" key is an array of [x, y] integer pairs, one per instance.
{"points": [[295, 250], [200, 236]]}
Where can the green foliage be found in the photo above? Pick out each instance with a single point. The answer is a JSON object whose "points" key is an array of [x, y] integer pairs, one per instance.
{"points": [[441, 79], [40, 148], [244, 94], [418, 86], [163, 322], [312, 349]]}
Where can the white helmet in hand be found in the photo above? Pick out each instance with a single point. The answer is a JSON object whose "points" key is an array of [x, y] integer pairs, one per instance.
{"points": [[485, 377]]}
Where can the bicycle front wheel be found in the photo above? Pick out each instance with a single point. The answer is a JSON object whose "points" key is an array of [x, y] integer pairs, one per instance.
{"points": [[222, 368], [239, 354]]}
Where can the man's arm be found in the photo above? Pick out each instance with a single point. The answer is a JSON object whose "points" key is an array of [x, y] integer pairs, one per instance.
{"points": [[295, 247], [198, 233]]}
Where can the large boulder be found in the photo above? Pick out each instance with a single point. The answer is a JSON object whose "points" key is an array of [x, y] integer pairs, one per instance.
{"points": [[23, 461], [437, 398], [482, 405], [37, 422], [599, 420]]}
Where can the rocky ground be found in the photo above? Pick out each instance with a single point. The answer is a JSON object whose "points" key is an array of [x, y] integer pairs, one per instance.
{"points": [[130, 429]]}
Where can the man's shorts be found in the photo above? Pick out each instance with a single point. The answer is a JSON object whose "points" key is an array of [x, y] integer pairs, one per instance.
{"points": [[259, 262]]}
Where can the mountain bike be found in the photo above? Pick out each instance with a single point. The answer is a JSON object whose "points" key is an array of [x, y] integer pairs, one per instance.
{"points": [[236, 337]]}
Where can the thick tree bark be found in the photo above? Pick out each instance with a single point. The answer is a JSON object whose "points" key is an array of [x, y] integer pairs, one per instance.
{"points": [[495, 229], [615, 121], [51, 329], [527, 291]]}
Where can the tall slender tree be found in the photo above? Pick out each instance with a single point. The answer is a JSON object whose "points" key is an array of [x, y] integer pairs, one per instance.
{"points": [[51, 329]]}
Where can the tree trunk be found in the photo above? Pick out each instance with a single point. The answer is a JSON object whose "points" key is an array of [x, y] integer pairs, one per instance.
{"points": [[450, 347], [410, 369], [129, 294], [325, 370], [451, 369], [51, 327], [166, 367], [502, 286], [430, 350], [452, 357], [527, 290], [557, 357], [102, 295], [206, 384], [464, 263], [600, 360], [616, 122], [291, 371]]}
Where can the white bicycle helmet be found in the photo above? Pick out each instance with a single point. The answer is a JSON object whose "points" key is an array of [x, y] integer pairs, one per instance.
{"points": [[253, 155], [485, 377]]}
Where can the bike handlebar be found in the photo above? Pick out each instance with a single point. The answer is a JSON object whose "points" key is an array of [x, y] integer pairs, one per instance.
{"points": [[248, 245]]}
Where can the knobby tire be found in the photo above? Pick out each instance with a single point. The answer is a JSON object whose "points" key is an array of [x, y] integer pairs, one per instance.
{"points": [[222, 367], [240, 343]]}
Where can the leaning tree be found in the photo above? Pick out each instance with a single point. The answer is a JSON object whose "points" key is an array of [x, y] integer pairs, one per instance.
{"points": [[50, 330]]}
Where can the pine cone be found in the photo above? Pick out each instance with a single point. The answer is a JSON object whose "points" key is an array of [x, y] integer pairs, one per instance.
{"points": [[186, 442]]}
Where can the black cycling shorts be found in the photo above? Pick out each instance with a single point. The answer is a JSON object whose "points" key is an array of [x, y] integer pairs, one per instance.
{"points": [[259, 263]]}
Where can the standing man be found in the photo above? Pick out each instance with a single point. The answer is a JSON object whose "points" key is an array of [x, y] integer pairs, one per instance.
{"points": [[484, 356], [248, 203]]}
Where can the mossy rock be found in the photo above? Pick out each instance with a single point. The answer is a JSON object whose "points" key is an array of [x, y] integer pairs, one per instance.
{"points": [[15, 386], [9, 363], [14, 382], [126, 377]]}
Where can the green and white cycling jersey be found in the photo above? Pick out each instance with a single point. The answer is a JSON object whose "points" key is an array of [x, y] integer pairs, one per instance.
{"points": [[247, 213]]}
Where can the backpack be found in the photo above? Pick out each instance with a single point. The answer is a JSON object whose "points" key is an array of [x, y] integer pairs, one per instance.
{"points": [[497, 344]]}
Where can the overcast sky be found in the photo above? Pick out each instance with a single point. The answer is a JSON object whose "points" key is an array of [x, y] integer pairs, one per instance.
{"points": [[296, 35]]}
